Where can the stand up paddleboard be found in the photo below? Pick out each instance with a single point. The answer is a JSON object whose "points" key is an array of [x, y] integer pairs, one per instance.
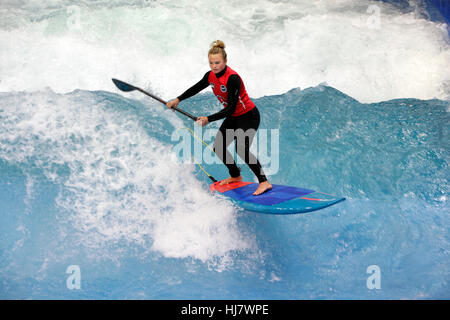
{"points": [[278, 200]]}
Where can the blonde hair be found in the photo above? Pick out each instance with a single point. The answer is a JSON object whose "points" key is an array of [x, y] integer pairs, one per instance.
{"points": [[218, 46]]}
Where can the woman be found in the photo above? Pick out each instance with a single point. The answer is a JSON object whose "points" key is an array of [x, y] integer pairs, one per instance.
{"points": [[240, 113]]}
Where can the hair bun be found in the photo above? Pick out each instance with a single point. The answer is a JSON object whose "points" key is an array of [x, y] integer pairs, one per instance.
{"points": [[218, 44], [218, 47]]}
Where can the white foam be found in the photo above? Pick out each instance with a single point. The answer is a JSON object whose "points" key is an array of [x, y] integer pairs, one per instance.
{"points": [[367, 49], [118, 184]]}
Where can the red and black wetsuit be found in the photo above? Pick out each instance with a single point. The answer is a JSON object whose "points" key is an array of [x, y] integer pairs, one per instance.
{"points": [[241, 122]]}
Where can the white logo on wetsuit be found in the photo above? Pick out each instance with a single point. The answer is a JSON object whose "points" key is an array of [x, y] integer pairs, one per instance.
{"points": [[223, 88]]}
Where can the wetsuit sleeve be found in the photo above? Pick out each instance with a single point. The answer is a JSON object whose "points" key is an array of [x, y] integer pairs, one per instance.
{"points": [[233, 87], [196, 88]]}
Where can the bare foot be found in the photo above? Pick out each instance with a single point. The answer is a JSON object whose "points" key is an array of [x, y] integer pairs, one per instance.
{"points": [[230, 179], [263, 187]]}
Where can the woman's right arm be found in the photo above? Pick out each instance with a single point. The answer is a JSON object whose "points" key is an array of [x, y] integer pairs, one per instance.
{"points": [[196, 88]]}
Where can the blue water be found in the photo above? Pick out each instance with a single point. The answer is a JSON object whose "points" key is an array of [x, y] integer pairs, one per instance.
{"points": [[93, 177], [389, 159]]}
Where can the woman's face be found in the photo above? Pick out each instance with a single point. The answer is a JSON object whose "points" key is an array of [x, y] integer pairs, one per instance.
{"points": [[216, 62]]}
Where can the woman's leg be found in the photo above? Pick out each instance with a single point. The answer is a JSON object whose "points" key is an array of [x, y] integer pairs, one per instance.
{"points": [[224, 138], [246, 127]]}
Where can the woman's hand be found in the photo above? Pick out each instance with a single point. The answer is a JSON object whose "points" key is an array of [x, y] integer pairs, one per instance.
{"points": [[173, 103], [202, 121]]}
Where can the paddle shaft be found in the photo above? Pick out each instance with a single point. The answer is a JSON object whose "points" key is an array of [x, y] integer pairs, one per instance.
{"points": [[164, 102]]}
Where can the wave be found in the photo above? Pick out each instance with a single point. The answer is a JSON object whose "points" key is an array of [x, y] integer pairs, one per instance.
{"points": [[117, 182], [106, 167], [356, 107]]}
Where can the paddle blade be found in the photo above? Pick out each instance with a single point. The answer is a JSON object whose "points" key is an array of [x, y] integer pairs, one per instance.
{"points": [[123, 86]]}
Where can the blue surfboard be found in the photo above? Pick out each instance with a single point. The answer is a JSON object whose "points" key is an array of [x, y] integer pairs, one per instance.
{"points": [[280, 199]]}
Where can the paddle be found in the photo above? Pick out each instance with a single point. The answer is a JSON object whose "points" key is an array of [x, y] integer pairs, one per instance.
{"points": [[123, 86]]}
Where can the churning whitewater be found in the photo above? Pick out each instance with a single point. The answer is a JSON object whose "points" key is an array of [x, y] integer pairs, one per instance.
{"points": [[353, 97]]}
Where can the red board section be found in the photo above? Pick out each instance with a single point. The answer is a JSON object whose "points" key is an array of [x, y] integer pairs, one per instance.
{"points": [[229, 186]]}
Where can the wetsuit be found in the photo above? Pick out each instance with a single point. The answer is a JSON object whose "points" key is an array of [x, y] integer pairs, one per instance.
{"points": [[241, 128]]}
